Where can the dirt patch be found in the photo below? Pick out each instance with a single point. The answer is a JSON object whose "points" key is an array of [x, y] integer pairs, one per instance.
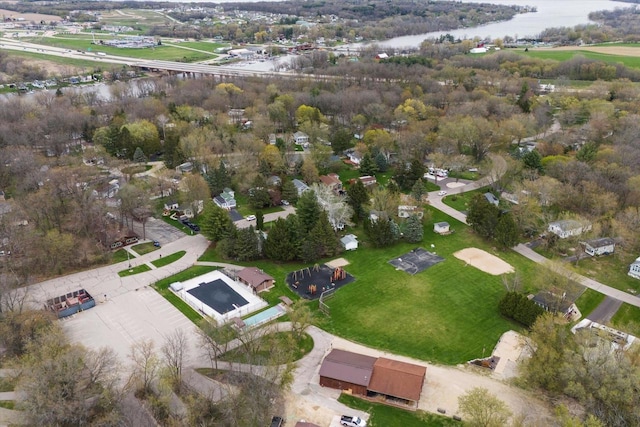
{"points": [[36, 17], [338, 262], [484, 261], [607, 50]]}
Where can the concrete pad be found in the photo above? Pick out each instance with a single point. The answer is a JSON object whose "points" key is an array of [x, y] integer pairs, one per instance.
{"points": [[338, 262]]}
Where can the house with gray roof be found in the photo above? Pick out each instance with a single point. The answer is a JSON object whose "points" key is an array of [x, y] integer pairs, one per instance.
{"points": [[301, 186], [568, 227]]}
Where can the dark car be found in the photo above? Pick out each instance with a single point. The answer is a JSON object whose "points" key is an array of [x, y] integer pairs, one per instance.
{"points": [[277, 422]]}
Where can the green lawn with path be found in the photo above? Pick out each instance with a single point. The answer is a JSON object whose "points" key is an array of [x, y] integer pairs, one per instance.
{"points": [[144, 248], [134, 270], [121, 255], [588, 301], [385, 415], [460, 202], [161, 262], [302, 348]]}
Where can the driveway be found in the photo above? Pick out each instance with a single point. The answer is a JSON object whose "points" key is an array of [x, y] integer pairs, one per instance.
{"points": [[288, 210], [605, 311]]}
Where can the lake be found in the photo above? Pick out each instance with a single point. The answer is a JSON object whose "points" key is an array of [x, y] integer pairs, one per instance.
{"points": [[551, 13]]}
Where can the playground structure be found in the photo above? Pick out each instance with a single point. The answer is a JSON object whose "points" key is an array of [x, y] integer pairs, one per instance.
{"points": [[311, 282], [71, 303]]}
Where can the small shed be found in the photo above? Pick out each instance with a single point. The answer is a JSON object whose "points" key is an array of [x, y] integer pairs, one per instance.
{"points": [[344, 370], [350, 242], [441, 227], [597, 247], [256, 279]]}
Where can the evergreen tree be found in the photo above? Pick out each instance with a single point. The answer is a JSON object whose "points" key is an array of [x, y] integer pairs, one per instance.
{"points": [[418, 191], [482, 216], [279, 246], [368, 166], [138, 156], [357, 197], [259, 220], [259, 196], [341, 140], [218, 179], [380, 232], [308, 211], [326, 236], [414, 232], [216, 223], [532, 160], [392, 187], [506, 231], [381, 162], [289, 191], [247, 244]]}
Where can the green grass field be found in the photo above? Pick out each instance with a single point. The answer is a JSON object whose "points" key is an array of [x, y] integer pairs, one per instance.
{"points": [[144, 248], [610, 270], [161, 262], [168, 53], [120, 255], [460, 202], [384, 415], [564, 55], [239, 355], [89, 65], [627, 319], [134, 270], [588, 301]]}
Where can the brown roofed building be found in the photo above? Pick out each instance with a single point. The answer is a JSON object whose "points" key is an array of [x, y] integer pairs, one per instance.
{"points": [[332, 181], [344, 370], [257, 279], [397, 380]]}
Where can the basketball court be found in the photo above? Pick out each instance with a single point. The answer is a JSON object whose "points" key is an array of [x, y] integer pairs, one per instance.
{"points": [[417, 260]]}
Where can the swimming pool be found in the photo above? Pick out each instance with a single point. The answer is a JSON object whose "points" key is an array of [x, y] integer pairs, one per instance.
{"points": [[265, 316]]}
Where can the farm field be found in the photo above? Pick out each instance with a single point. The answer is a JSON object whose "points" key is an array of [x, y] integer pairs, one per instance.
{"points": [[629, 56]]}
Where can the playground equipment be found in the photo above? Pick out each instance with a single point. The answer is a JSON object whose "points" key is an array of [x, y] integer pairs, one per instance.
{"points": [[338, 274]]}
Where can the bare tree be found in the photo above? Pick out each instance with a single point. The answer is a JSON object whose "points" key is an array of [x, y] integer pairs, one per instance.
{"points": [[174, 352], [215, 339], [145, 366]]}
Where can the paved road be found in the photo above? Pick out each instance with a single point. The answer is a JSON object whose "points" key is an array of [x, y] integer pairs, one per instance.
{"points": [[605, 311], [288, 210]]}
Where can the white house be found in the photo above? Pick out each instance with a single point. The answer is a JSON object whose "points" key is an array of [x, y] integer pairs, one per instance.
{"points": [[405, 211], [478, 50], [568, 227], [634, 269], [226, 199], [441, 227], [301, 138], [602, 246], [354, 157], [301, 186], [350, 242]]}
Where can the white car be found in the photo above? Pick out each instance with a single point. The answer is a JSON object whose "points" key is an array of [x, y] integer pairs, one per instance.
{"points": [[442, 193], [350, 421], [250, 217]]}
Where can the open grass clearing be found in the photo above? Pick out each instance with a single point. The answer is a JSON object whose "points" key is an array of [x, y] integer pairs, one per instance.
{"points": [[161, 262], [588, 301], [460, 202], [134, 270], [121, 255], [162, 287], [200, 45], [302, 348], [81, 65], [7, 404], [627, 319], [384, 415], [604, 54], [611, 270], [167, 53], [445, 314], [144, 248]]}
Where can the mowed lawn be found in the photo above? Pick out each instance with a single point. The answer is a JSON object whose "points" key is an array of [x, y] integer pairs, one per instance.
{"points": [[447, 314]]}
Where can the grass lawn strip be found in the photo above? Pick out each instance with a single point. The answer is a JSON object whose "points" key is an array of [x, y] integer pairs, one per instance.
{"points": [[161, 262], [627, 319], [384, 415], [588, 301], [162, 286], [239, 355], [134, 270], [144, 248], [121, 255]]}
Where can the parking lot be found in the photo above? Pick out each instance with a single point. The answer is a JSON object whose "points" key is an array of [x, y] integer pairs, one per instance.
{"points": [[157, 229]]}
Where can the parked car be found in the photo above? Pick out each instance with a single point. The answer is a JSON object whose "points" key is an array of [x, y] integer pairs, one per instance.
{"points": [[250, 217], [442, 193], [350, 421], [277, 422], [156, 243]]}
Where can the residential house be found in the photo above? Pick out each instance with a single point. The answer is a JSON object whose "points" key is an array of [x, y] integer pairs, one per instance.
{"points": [[349, 242], [301, 186], [602, 246], [301, 138], [274, 181], [382, 56], [405, 211], [272, 139], [354, 157], [256, 279], [368, 180], [568, 227], [332, 181], [226, 199], [634, 269], [441, 227], [171, 206], [185, 167], [555, 302], [491, 198]]}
